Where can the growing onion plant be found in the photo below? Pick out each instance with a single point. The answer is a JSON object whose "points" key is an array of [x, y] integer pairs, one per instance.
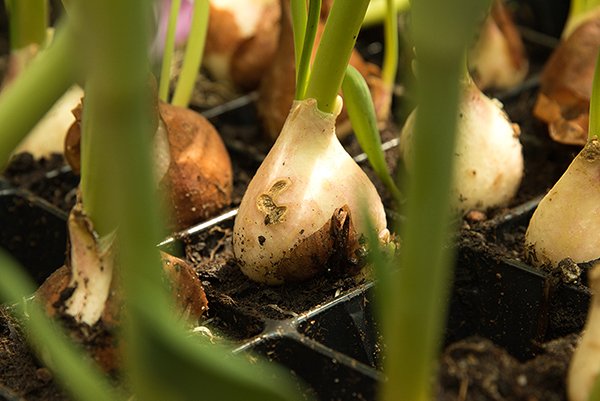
{"points": [[161, 360], [193, 172], [302, 209], [565, 221]]}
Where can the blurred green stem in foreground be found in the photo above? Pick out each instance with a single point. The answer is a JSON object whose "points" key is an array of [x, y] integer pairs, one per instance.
{"points": [[415, 309], [163, 360], [28, 21]]}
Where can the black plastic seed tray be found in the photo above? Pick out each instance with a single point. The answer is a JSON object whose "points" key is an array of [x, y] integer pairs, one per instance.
{"points": [[32, 231]]}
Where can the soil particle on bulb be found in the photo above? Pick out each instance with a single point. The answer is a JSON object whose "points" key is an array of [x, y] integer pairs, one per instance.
{"points": [[592, 151]]}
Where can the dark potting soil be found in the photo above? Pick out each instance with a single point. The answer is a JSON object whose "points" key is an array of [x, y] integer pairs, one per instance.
{"points": [[240, 308], [565, 295], [47, 177], [22, 376], [474, 369]]}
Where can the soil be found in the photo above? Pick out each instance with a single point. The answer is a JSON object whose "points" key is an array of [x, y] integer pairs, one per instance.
{"points": [[22, 376], [239, 308], [475, 369], [48, 178]]}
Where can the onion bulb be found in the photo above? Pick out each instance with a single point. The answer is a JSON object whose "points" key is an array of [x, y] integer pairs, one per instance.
{"points": [[488, 163], [48, 135], [198, 178], [86, 290], [192, 167], [308, 203], [241, 40], [498, 58], [585, 364], [565, 223]]}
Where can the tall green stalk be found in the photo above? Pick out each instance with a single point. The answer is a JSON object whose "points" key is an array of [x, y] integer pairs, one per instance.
{"points": [[390, 53], [299, 19], [193, 54], [333, 54], [415, 313], [594, 119], [308, 37], [414, 318], [28, 21], [118, 106], [119, 125], [169, 48]]}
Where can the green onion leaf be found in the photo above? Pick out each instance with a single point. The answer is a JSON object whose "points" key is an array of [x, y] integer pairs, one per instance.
{"points": [[364, 123]]}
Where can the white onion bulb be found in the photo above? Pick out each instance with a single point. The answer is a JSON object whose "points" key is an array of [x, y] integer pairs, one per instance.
{"points": [[488, 163], [566, 221], [307, 198], [48, 135]]}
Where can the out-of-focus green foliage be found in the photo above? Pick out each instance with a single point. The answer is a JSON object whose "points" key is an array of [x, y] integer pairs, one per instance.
{"points": [[414, 311]]}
